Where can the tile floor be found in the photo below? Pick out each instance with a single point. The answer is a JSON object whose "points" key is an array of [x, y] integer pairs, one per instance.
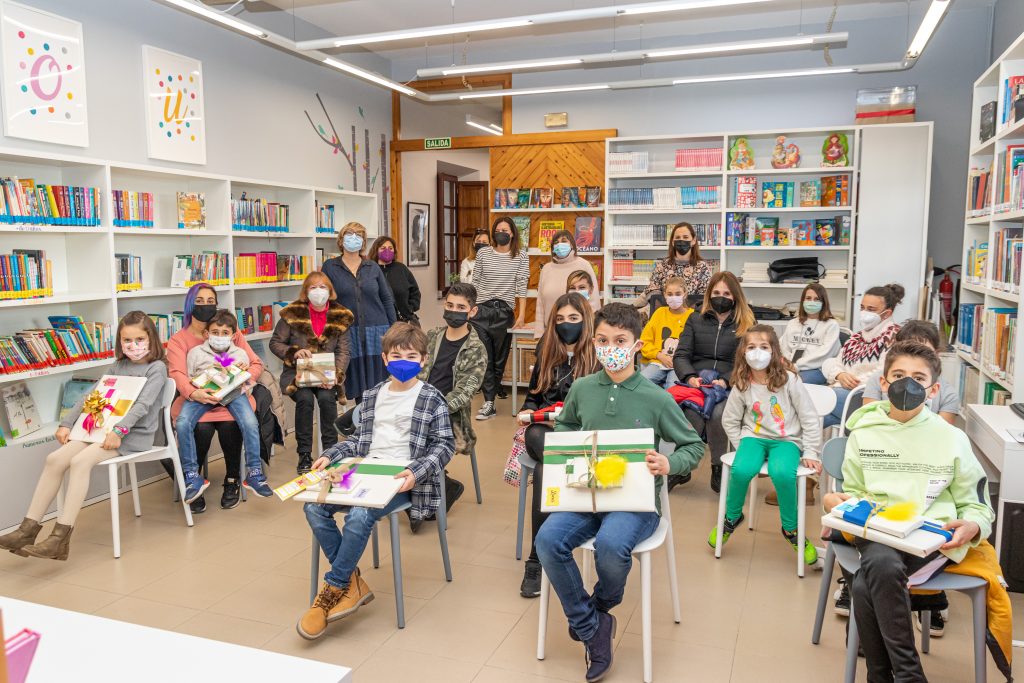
{"points": [[242, 576]]}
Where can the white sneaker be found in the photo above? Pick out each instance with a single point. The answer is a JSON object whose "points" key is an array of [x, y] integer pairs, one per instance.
{"points": [[486, 411]]}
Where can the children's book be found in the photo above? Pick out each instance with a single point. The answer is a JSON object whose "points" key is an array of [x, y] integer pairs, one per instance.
{"points": [[546, 195], [588, 234], [574, 197], [74, 389], [522, 224], [20, 411], [109, 401], [593, 195], [547, 231], [810, 193], [746, 192], [767, 226], [266, 318], [370, 483], [191, 211], [804, 233], [499, 199], [523, 200], [824, 232], [225, 383]]}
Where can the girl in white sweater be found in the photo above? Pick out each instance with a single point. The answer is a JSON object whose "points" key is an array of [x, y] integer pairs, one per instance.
{"points": [[812, 336], [554, 277]]}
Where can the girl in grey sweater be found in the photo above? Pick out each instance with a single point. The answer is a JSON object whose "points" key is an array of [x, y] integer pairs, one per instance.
{"points": [[138, 353]]}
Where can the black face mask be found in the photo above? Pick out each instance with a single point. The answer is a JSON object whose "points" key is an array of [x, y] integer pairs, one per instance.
{"points": [[906, 393], [721, 304], [455, 318], [204, 312], [682, 247], [502, 238], [569, 333], [478, 246]]}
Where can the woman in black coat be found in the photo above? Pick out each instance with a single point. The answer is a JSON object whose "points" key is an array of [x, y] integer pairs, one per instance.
{"points": [[400, 279]]}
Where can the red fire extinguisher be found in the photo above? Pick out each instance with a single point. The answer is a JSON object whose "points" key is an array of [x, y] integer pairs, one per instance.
{"points": [[946, 298]]}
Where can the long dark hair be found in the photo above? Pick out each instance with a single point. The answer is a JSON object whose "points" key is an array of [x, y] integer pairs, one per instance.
{"points": [[552, 352], [515, 234], [694, 255], [826, 310]]}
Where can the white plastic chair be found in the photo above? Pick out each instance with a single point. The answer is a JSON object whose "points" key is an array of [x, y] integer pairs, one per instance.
{"points": [[824, 401], [642, 551], [168, 451], [526, 467]]}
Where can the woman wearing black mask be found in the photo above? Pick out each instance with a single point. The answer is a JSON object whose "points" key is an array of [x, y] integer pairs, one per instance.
{"points": [[709, 342], [481, 239], [684, 261], [565, 352]]}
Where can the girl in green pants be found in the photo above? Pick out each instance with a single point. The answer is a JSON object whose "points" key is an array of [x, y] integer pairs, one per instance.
{"points": [[771, 416]]}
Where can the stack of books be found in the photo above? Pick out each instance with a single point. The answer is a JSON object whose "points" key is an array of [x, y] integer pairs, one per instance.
{"points": [[210, 267], [25, 274], [128, 271], [69, 340]]}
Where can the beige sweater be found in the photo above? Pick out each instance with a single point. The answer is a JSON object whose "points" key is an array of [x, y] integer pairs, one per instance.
{"points": [[551, 285]]}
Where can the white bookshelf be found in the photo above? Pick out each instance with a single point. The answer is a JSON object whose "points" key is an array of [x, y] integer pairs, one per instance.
{"points": [[981, 228]]}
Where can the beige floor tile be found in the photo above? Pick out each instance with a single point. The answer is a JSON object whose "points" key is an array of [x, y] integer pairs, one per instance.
{"points": [[146, 612], [229, 629], [66, 596], [15, 585], [438, 626], [376, 622], [672, 661], [486, 588], [350, 652], [272, 599], [392, 663], [82, 554], [197, 584], [257, 552], [128, 574], [490, 674]]}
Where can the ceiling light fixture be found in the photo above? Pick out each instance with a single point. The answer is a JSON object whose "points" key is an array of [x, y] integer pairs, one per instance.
{"points": [[513, 22], [219, 17], [763, 75], [751, 46], [928, 25], [532, 91], [513, 66], [492, 128], [379, 80]]}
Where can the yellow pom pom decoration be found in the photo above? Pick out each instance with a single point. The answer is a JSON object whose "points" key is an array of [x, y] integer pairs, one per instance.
{"points": [[609, 471], [899, 512]]}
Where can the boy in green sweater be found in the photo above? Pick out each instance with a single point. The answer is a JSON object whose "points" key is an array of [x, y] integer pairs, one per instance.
{"points": [[900, 452], [615, 398]]}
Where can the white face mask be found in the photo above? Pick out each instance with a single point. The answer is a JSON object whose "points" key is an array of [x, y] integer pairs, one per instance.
{"points": [[318, 296], [869, 320], [219, 343], [758, 359], [674, 302]]}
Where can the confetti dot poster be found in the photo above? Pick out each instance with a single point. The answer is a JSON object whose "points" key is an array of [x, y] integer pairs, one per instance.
{"points": [[43, 76], [175, 110]]}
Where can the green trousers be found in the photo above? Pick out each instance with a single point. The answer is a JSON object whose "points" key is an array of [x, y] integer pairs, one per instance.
{"points": [[783, 459]]}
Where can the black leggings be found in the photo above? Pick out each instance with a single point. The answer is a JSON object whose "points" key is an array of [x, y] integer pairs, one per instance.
{"points": [[534, 438]]}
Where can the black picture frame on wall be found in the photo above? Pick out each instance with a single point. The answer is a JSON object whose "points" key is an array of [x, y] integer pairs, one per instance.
{"points": [[417, 234]]}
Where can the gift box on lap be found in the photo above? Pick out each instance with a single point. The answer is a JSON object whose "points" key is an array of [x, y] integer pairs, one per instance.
{"points": [[317, 370], [225, 383], [105, 406]]}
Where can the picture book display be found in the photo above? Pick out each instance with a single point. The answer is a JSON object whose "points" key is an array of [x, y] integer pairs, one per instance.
{"points": [[109, 401], [21, 416], [743, 229], [569, 197], [191, 210], [588, 234], [133, 209], [366, 482], [315, 371]]}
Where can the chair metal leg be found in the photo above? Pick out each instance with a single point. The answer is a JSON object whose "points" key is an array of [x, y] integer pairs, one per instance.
{"points": [[723, 493], [134, 479], [524, 477], [241, 479], [542, 624], [645, 615], [752, 502], [823, 591], [926, 631], [442, 535], [670, 553], [179, 478], [801, 500], [396, 569], [115, 520], [852, 645], [376, 549], [476, 475], [314, 570], [979, 598]]}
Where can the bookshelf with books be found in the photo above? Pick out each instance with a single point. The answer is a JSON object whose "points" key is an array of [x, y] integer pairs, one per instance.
{"points": [[334, 208]]}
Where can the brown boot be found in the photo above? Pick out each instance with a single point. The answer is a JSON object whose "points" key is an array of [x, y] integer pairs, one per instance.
{"points": [[22, 536], [55, 547], [332, 604], [772, 498]]}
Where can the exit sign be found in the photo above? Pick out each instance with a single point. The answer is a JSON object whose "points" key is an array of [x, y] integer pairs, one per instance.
{"points": [[437, 143]]}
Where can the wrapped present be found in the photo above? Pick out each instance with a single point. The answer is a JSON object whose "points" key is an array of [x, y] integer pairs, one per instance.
{"points": [[105, 405], [224, 380], [598, 471], [315, 371]]}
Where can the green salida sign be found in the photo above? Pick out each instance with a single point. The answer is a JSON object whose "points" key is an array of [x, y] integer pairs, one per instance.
{"points": [[437, 143]]}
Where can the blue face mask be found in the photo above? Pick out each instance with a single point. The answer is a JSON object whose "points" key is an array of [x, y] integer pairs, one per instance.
{"points": [[352, 243], [403, 370], [562, 249]]}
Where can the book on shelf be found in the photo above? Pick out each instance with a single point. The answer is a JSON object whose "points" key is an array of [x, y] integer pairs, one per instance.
{"points": [[824, 232], [1005, 259], [252, 268], [975, 271], [996, 395], [22, 201], [1013, 89], [69, 340], [258, 215], [588, 234], [979, 191], [523, 198], [25, 274], [132, 209], [499, 199], [810, 193], [266, 319], [699, 159], [767, 226], [71, 391], [969, 329], [522, 224], [628, 162], [128, 272], [191, 210], [1007, 184], [776, 195], [324, 217], [744, 191], [167, 324], [571, 197], [21, 416], [970, 381], [210, 267], [987, 122], [593, 195], [246, 317], [547, 230], [998, 330]]}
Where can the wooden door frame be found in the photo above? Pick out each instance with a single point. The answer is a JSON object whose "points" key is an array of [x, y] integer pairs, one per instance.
{"points": [[442, 284]]}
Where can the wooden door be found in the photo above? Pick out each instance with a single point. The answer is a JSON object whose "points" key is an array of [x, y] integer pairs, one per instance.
{"points": [[473, 213], [447, 231]]}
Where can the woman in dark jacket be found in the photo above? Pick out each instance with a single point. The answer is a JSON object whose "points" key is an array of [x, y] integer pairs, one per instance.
{"points": [[564, 352], [363, 290], [708, 342], [400, 279], [315, 323]]}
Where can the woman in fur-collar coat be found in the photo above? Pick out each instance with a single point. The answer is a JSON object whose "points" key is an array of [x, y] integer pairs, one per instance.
{"points": [[315, 323]]}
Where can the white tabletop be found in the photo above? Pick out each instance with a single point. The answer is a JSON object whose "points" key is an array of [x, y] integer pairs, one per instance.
{"points": [[83, 647]]}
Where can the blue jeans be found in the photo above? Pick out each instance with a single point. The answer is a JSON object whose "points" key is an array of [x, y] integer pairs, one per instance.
{"points": [[663, 377], [813, 376], [836, 415], [188, 418], [615, 535], [344, 549]]}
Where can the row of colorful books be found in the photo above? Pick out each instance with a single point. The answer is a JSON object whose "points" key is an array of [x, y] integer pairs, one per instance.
{"points": [[1008, 186], [23, 201], [25, 274], [1005, 259], [324, 218], [128, 270], [699, 159], [628, 267], [587, 196], [987, 335], [69, 340], [167, 324], [208, 266], [1013, 90], [669, 198], [656, 235], [133, 209], [979, 191], [745, 230], [824, 191], [269, 266], [976, 267], [258, 215]]}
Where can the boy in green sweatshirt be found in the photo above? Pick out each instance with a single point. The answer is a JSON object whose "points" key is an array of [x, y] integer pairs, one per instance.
{"points": [[897, 452], [617, 397]]}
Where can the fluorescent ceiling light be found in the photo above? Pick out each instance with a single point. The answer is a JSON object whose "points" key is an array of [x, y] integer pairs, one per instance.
{"points": [[532, 91], [512, 66], [928, 25], [492, 128], [379, 80], [431, 31], [751, 46], [767, 74], [654, 7], [219, 17]]}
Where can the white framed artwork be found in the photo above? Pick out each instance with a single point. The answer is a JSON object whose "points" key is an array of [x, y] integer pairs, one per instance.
{"points": [[43, 69], [172, 85]]}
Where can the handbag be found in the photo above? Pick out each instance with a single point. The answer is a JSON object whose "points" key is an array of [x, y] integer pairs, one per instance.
{"points": [[512, 465], [797, 268]]}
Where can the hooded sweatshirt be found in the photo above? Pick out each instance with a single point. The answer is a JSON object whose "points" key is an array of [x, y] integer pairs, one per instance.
{"points": [[784, 415], [863, 353], [925, 460]]}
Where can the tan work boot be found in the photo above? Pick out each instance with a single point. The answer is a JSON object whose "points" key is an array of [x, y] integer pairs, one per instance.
{"points": [[22, 536], [332, 604], [55, 547], [772, 498]]}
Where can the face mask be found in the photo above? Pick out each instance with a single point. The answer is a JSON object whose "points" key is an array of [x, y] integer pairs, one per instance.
{"points": [[135, 350], [204, 312], [318, 296], [455, 318], [502, 238], [569, 333], [615, 358], [403, 370], [674, 302], [386, 255], [218, 343], [682, 247], [721, 304], [585, 293], [869, 319], [758, 359], [561, 250], [906, 393], [478, 246], [352, 243], [812, 307]]}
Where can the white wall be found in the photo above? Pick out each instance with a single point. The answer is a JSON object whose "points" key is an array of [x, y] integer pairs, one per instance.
{"points": [[1007, 25], [419, 184]]}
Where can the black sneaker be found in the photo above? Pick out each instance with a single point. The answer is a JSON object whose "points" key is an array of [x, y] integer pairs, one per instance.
{"points": [[487, 411], [938, 625], [716, 478], [599, 648], [501, 393], [842, 598], [198, 506], [414, 524], [230, 498], [675, 480], [530, 587], [305, 463], [453, 490]]}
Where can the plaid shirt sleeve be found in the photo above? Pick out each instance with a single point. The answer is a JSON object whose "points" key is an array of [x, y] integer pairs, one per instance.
{"points": [[432, 442]]}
